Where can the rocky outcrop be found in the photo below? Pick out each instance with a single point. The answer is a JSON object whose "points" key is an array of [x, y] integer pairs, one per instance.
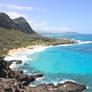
{"points": [[16, 61], [67, 86], [11, 85], [7, 72], [16, 81]]}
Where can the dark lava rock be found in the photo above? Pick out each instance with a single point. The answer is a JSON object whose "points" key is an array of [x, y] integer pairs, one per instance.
{"points": [[16, 81], [25, 63], [12, 85], [17, 61], [26, 80], [2, 58], [6, 72], [67, 86]]}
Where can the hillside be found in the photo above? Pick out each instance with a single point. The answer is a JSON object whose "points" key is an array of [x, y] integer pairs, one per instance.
{"points": [[23, 25], [19, 24], [18, 33], [10, 39], [6, 22]]}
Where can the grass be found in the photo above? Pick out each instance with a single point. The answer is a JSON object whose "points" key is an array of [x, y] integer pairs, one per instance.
{"points": [[10, 39]]}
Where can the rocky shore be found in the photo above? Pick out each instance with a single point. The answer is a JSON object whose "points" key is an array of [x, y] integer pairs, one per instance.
{"points": [[16, 81]]}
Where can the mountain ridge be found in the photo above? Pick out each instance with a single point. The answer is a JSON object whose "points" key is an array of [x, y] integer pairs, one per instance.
{"points": [[18, 23]]}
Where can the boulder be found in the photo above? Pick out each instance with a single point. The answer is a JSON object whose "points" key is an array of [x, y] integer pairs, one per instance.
{"points": [[16, 81], [16, 61], [67, 86], [25, 63]]}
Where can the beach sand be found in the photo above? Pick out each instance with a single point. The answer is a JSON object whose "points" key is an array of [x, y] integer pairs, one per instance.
{"points": [[15, 51]]}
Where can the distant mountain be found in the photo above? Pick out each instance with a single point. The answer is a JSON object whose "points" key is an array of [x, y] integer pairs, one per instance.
{"points": [[60, 33], [19, 24], [72, 33]]}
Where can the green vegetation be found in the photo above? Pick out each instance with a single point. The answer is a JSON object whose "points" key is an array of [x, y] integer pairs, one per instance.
{"points": [[17, 33], [10, 39]]}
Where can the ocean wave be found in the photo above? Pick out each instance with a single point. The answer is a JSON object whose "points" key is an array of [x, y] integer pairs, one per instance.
{"points": [[16, 57], [24, 56], [79, 42], [54, 83], [35, 50], [13, 66], [24, 71], [38, 79], [65, 80], [84, 42]]}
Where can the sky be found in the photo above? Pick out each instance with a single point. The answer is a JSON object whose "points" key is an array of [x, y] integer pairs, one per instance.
{"points": [[54, 16]]}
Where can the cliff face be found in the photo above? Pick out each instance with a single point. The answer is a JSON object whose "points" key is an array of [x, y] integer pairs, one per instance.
{"points": [[23, 25], [6, 22], [19, 24]]}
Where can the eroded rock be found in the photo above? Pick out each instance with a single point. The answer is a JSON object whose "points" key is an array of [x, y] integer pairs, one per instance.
{"points": [[16, 81]]}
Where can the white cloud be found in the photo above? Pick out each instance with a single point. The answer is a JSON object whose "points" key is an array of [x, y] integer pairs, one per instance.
{"points": [[16, 7], [9, 6], [43, 27], [15, 15]]}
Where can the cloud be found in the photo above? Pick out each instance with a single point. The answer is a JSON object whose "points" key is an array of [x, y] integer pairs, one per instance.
{"points": [[16, 7], [43, 27], [15, 15]]}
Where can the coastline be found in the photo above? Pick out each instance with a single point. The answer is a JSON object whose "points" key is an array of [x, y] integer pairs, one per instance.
{"points": [[69, 82], [17, 81], [16, 51]]}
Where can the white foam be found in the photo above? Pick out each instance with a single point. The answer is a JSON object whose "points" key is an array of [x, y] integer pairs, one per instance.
{"points": [[79, 42], [65, 45], [24, 55], [35, 50], [38, 79], [85, 42], [16, 57], [65, 80], [24, 71], [32, 85], [55, 83], [12, 66]]}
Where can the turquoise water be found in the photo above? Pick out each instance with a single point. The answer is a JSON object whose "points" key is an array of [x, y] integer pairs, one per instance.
{"points": [[57, 63], [64, 59]]}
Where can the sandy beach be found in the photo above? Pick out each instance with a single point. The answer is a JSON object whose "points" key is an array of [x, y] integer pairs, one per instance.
{"points": [[15, 51]]}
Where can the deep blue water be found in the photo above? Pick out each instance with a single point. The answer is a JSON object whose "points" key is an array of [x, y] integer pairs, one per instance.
{"points": [[69, 62]]}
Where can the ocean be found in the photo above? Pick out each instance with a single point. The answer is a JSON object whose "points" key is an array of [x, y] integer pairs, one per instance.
{"points": [[59, 63]]}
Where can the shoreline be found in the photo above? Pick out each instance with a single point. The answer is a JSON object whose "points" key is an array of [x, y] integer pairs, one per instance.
{"points": [[16, 51], [17, 80]]}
